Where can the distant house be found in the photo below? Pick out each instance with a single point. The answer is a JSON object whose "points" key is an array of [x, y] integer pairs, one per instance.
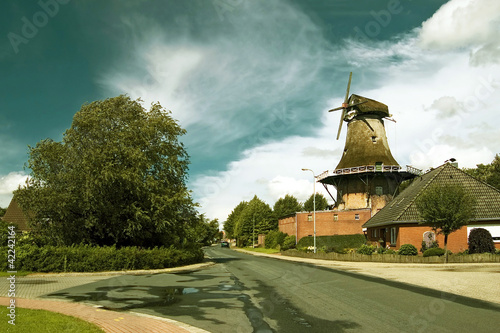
{"points": [[15, 215], [398, 222], [328, 222]]}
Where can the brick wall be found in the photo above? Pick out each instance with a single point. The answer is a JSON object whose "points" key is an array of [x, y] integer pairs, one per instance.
{"points": [[326, 224]]}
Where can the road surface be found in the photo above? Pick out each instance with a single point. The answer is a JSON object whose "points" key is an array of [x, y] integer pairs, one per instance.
{"points": [[245, 293]]}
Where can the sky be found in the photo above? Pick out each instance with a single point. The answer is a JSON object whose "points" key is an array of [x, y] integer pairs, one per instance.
{"points": [[252, 82]]}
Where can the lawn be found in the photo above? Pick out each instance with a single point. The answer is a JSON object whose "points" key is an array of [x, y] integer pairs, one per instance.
{"points": [[41, 321], [19, 273]]}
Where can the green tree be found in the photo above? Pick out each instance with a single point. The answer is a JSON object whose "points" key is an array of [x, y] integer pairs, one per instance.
{"points": [[488, 173], [117, 177], [2, 211], [205, 231], [446, 208], [232, 218], [321, 203], [256, 218], [287, 205]]}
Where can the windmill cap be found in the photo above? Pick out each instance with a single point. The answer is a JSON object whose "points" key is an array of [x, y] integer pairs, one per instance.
{"points": [[368, 105]]}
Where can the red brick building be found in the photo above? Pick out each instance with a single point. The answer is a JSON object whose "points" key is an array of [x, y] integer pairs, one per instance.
{"points": [[398, 222], [328, 222]]}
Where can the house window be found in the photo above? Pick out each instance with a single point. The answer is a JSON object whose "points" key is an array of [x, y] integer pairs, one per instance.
{"points": [[394, 235], [335, 217], [356, 217], [379, 190], [374, 233], [309, 218]]}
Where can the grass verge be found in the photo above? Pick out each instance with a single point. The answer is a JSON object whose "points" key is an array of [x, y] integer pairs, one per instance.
{"points": [[19, 273], [41, 321]]}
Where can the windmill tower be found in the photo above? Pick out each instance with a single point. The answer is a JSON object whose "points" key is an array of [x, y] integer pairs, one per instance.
{"points": [[367, 175]]}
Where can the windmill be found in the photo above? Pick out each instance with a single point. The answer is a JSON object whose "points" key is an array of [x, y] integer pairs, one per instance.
{"points": [[352, 107], [367, 175]]}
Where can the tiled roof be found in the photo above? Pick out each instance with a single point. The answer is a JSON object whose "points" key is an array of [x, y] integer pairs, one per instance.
{"points": [[14, 214], [402, 209]]}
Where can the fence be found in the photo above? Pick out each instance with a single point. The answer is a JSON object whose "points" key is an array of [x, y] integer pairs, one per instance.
{"points": [[395, 258]]}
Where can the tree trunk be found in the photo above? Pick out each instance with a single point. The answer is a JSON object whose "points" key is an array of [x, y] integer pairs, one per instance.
{"points": [[445, 248]]}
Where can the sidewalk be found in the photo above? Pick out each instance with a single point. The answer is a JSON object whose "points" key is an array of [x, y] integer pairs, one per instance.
{"points": [[33, 286], [474, 280]]}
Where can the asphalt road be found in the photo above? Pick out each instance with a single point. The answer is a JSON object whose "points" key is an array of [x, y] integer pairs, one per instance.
{"points": [[245, 293]]}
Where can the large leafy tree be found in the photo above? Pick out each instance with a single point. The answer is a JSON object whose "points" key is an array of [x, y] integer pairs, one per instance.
{"points": [[117, 177], [232, 218], [256, 218], [321, 203], [287, 205], [488, 173], [446, 208], [205, 231]]}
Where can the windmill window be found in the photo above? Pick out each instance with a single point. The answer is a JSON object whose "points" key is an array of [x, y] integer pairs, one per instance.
{"points": [[309, 218], [335, 217], [356, 217], [378, 166], [379, 190], [374, 139]]}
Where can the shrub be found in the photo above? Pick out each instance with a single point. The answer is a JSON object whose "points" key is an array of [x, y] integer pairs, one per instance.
{"points": [[480, 241], [381, 250], [288, 243], [390, 251], [366, 249], [335, 243], [436, 251], [85, 258], [274, 238], [408, 250], [433, 245]]}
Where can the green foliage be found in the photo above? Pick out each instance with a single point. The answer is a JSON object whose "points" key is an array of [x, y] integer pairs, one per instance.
{"points": [[489, 173], [321, 203], [274, 238], [408, 250], [287, 205], [435, 251], [2, 211], [288, 243], [232, 218], [117, 178], [480, 241], [85, 258], [425, 247], [366, 249], [204, 232], [4, 231], [390, 251], [335, 243], [381, 250], [256, 214], [446, 208]]}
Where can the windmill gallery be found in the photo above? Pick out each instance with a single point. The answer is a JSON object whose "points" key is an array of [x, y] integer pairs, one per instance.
{"points": [[367, 181]]}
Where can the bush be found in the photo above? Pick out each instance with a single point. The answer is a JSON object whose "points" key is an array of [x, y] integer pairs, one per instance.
{"points": [[366, 249], [408, 250], [381, 250], [433, 245], [436, 251], [480, 241], [390, 251], [335, 243], [274, 238], [85, 258], [288, 243]]}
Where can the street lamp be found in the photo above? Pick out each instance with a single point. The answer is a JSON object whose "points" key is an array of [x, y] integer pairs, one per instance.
{"points": [[314, 206]]}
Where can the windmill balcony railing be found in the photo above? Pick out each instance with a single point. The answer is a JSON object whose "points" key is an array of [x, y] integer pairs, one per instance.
{"points": [[368, 168]]}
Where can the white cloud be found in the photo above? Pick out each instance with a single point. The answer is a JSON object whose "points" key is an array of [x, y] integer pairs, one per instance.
{"points": [[470, 24], [8, 184]]}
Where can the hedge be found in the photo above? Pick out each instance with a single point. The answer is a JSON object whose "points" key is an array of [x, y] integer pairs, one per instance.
{"points": [[335, 243], [84, 258]]}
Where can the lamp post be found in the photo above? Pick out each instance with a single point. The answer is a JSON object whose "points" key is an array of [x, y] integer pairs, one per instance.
{"points": [[314, 206]]}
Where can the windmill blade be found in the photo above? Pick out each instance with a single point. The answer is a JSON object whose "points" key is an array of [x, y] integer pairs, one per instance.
{"points": [[340, 125], [348, 87], [336, 109]]}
